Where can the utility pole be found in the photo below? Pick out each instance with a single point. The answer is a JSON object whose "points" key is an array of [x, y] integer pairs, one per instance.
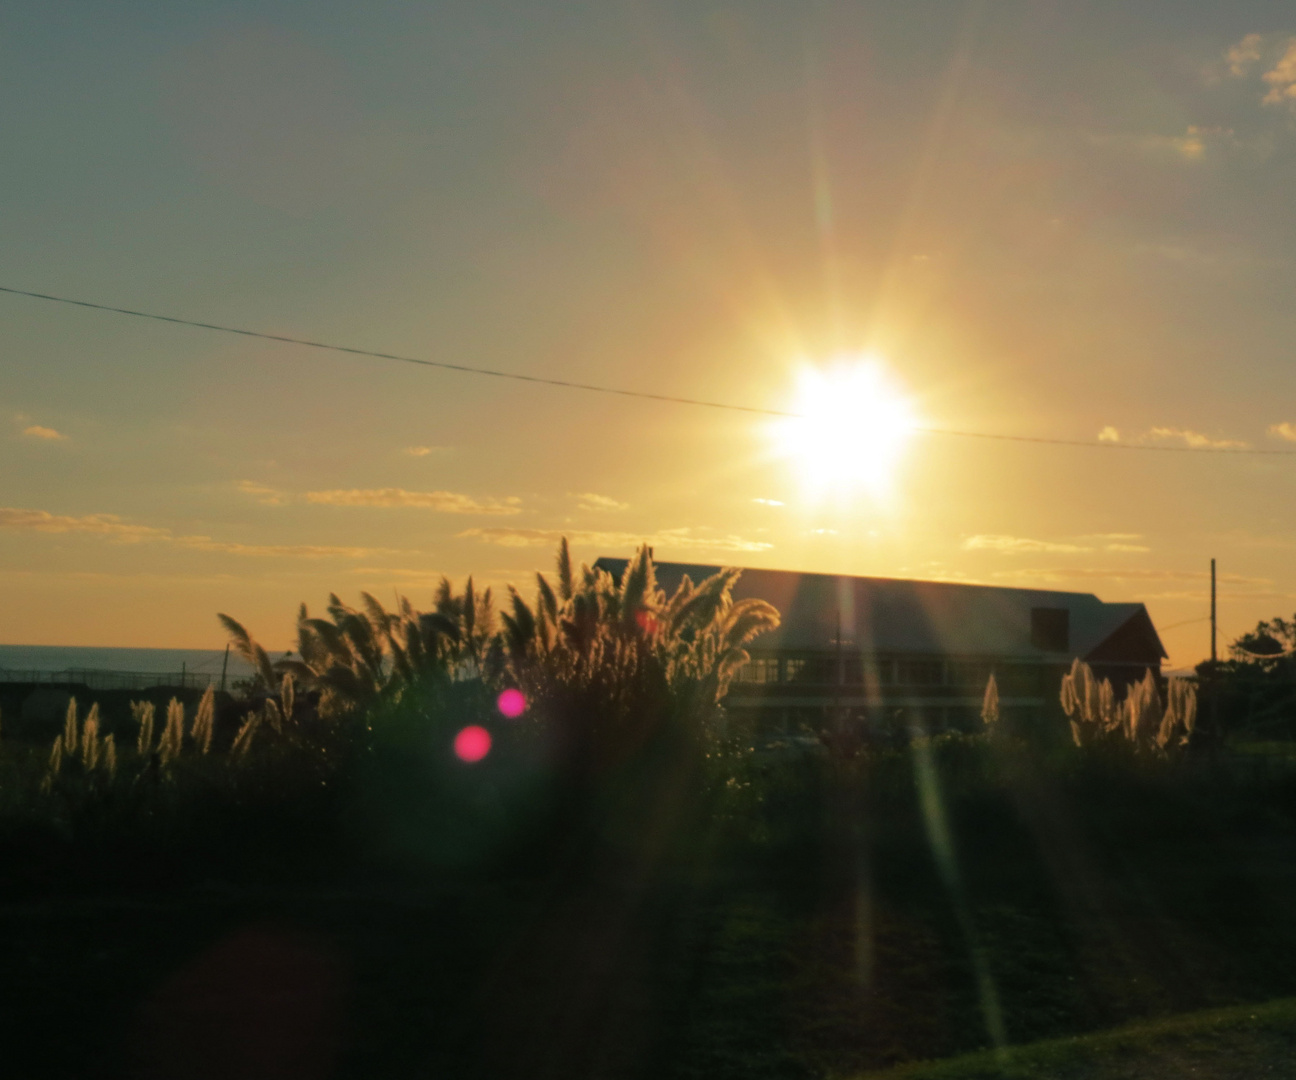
{"points": [[1214, 655], [1214, 684], [224, 665]]}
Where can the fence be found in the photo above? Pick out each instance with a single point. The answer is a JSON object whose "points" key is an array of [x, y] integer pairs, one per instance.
{"points": [[113, 680]]}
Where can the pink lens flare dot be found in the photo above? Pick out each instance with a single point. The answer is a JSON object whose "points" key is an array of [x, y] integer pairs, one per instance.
{"points": [[512, 703], [472, 744]]}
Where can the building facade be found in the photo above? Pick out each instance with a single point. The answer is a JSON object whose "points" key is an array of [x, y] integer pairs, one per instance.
{"points": [[883, 650]]}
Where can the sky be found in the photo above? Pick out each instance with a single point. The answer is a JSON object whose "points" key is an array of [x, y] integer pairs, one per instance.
{"points": [[1044, 219]]}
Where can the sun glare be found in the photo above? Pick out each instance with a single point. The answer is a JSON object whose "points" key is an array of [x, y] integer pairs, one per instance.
{"points": [[852, 426]]}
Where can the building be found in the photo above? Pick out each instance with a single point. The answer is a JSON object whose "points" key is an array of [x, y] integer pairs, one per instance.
{"points": [[882, 649]]}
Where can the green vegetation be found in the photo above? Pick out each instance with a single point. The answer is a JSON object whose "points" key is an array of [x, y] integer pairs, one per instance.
{"points": [[1251, 697], [1246, 1040], [622, 885]]}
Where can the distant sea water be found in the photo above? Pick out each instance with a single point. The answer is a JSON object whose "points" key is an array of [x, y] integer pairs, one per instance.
{"points": [[79, 658]]}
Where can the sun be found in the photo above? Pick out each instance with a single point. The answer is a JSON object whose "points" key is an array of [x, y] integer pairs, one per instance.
{"points": [[852, 425]]}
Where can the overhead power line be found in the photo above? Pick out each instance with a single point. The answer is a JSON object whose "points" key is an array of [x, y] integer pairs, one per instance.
{"points": [[568, 384], [1186, 622]]}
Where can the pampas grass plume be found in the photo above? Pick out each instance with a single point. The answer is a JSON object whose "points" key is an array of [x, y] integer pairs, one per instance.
{"points": [[204, 720], [244, 738], [990, 704], [56, 756], [144, 711], [70, 727], [90, 739], [173, 734]]}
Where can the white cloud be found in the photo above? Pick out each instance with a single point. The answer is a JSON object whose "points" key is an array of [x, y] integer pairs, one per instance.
{"points": [[1276, 51], [422, 451], [589, 501], [445, 502], [1281, 78], [767, 502], [1194, 439], [1284, 430], [1109, 434], [682, 538], [48, 434], [1018, 545], [1244, 55]]}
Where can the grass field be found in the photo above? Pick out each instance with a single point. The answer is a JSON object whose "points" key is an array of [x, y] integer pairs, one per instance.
{"points": [[1095, 916], [1219, 1044]]}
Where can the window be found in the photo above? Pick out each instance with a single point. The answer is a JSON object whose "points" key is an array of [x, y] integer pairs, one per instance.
{"points": [[969, 673], [921, 673], [1051, 629], [761, 669]]}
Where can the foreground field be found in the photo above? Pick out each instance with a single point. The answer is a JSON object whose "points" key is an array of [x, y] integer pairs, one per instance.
{"points": [[323, 879], [800, 934], [1220, 1044]]}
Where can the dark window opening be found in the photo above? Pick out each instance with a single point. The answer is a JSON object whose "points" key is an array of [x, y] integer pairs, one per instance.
{"points": [[1051, 629]]}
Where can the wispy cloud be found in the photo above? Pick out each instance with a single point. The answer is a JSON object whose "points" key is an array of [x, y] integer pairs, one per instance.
{"points": [[48, 434], [1119, 542], [1019, 545], [294, 551], [767, 502], [590, 501], [399, 573], [265, 495], [1284, 430], [1190, 146], [1195, 439], [445, 502], [1277, 52], [1281, 78], [682, 538], [1187, 436], [1243, 56], [1116, 573], [422, 451], [112, 527], [109, 525]]}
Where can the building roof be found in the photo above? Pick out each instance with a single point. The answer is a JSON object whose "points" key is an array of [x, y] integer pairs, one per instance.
{"points": [[894, 615]]}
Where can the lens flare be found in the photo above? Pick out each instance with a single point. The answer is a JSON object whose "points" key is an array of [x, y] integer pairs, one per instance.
{"points": [[472, 743], [511, 703]]}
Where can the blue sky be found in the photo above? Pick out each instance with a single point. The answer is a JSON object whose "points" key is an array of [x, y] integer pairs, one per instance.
{"points": [[1050, 219]]}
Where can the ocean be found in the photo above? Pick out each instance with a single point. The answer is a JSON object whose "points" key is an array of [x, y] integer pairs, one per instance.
{"points": [[17, 658]]}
